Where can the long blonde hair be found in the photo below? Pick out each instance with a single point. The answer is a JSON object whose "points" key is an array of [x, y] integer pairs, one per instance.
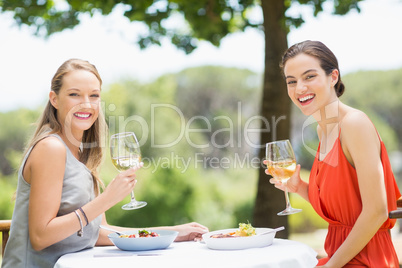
{"points": [[92, 151]]}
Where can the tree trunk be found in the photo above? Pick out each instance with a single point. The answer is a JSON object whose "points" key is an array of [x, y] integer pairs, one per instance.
{"points": [[276, 109]]}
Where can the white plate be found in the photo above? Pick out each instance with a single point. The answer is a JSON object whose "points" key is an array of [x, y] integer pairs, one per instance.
{"points": [[165, 238], [243, 242]]}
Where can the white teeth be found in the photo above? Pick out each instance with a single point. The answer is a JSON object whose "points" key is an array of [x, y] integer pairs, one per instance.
{"points": [[82, 115], [306, 98]]}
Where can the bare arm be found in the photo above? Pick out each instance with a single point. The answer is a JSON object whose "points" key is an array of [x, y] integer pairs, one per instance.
{"points": [[361, 146], [187, 232], [44, 170]]}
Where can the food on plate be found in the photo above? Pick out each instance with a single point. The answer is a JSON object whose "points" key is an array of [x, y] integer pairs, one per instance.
{"points": [[142, 233], [127, 236], [245, 229], [232, 234], [145, 233]]}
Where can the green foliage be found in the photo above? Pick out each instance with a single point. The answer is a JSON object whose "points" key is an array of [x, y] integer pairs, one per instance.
{"points": [[211, 197], [192, 21], [219, 196], [339, 8], [205, 20], [226, 101], [16, 127], [7, 189], [201, 19], [177, 181], [378, 94]]}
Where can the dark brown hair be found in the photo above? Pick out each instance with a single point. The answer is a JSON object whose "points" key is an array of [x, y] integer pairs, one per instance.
{"points": [[328, 61]]}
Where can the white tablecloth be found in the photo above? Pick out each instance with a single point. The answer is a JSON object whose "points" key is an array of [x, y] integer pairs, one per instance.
{"points": [[282, 253]]}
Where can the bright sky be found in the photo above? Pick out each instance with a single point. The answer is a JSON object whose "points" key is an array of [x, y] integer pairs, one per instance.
{"points": [[369, 40]]}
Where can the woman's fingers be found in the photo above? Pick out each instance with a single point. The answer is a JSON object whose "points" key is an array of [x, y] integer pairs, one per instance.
{"points": [[199, 227], [131, 171], [297, 170], [123, 183]]}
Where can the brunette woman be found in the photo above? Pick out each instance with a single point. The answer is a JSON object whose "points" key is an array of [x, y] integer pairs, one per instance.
{"points": [[351, 183]]}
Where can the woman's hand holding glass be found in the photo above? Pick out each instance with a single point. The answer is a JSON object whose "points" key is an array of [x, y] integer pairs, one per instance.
{"points": [[281, 164], [122, 185], [126, 154], [292, 184]]}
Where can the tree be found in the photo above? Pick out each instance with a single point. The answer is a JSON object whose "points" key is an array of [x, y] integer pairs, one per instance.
{"points": [[209, 20]]}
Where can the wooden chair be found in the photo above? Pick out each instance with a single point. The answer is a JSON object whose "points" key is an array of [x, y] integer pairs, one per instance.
{"points": [[397, 214], [4, 229]]}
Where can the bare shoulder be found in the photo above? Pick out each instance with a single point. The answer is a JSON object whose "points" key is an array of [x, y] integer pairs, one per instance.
{"points": [[48, 151], [358, 134], [357, 124], [50, 146], [47, 155]]}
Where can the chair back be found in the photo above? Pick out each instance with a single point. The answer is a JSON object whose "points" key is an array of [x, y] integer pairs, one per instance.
{"points": [[397, 214], [5, 231]]}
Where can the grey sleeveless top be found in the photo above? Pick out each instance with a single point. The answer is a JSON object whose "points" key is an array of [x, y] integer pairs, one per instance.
{"points": [[77, 191]]}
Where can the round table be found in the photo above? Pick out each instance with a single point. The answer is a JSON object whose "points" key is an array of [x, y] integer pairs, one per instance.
{"points": [[282, 253]]}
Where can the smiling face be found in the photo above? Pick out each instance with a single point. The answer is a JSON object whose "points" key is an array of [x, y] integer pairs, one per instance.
{"points": [[309, 87], [77, 102]]}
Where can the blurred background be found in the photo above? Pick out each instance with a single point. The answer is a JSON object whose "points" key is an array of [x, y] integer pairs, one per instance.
{"points": [[168, 91]]}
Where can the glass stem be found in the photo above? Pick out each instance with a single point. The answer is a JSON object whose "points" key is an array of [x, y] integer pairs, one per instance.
{"points": [[288, 206], [132, 196]]}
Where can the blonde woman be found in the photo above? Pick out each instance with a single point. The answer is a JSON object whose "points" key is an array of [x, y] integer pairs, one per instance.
{"points": [[58, 182]]}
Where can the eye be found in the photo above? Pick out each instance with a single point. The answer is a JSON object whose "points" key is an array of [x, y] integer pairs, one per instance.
{"points": [[290, 82], [73, 94], [95, 96], [310, 76]]}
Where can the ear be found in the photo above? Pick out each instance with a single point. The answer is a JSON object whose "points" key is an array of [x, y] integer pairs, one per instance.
{"points": [[334, 77], [53, 99]]}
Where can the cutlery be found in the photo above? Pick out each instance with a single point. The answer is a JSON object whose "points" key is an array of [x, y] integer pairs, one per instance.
{"points": [[112, 230], [273, 230]]}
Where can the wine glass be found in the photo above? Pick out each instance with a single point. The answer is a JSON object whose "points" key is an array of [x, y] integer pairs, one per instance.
{"points": [[281, 164], [125, 153]]}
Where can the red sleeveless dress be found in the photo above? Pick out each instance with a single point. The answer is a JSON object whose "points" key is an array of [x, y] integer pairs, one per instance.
{"points": [[335, 196]]}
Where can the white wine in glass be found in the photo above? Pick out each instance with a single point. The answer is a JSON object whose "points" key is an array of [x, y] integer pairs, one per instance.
{"points": [[125, 153], [281, 164]]}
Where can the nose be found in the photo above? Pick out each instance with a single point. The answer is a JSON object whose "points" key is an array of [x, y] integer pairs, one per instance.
{"points": [[86, 103], [301, 88]]}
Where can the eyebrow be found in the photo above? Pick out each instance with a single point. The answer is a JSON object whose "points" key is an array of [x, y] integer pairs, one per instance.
{"points": [[309, 70], [77, 89]]}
